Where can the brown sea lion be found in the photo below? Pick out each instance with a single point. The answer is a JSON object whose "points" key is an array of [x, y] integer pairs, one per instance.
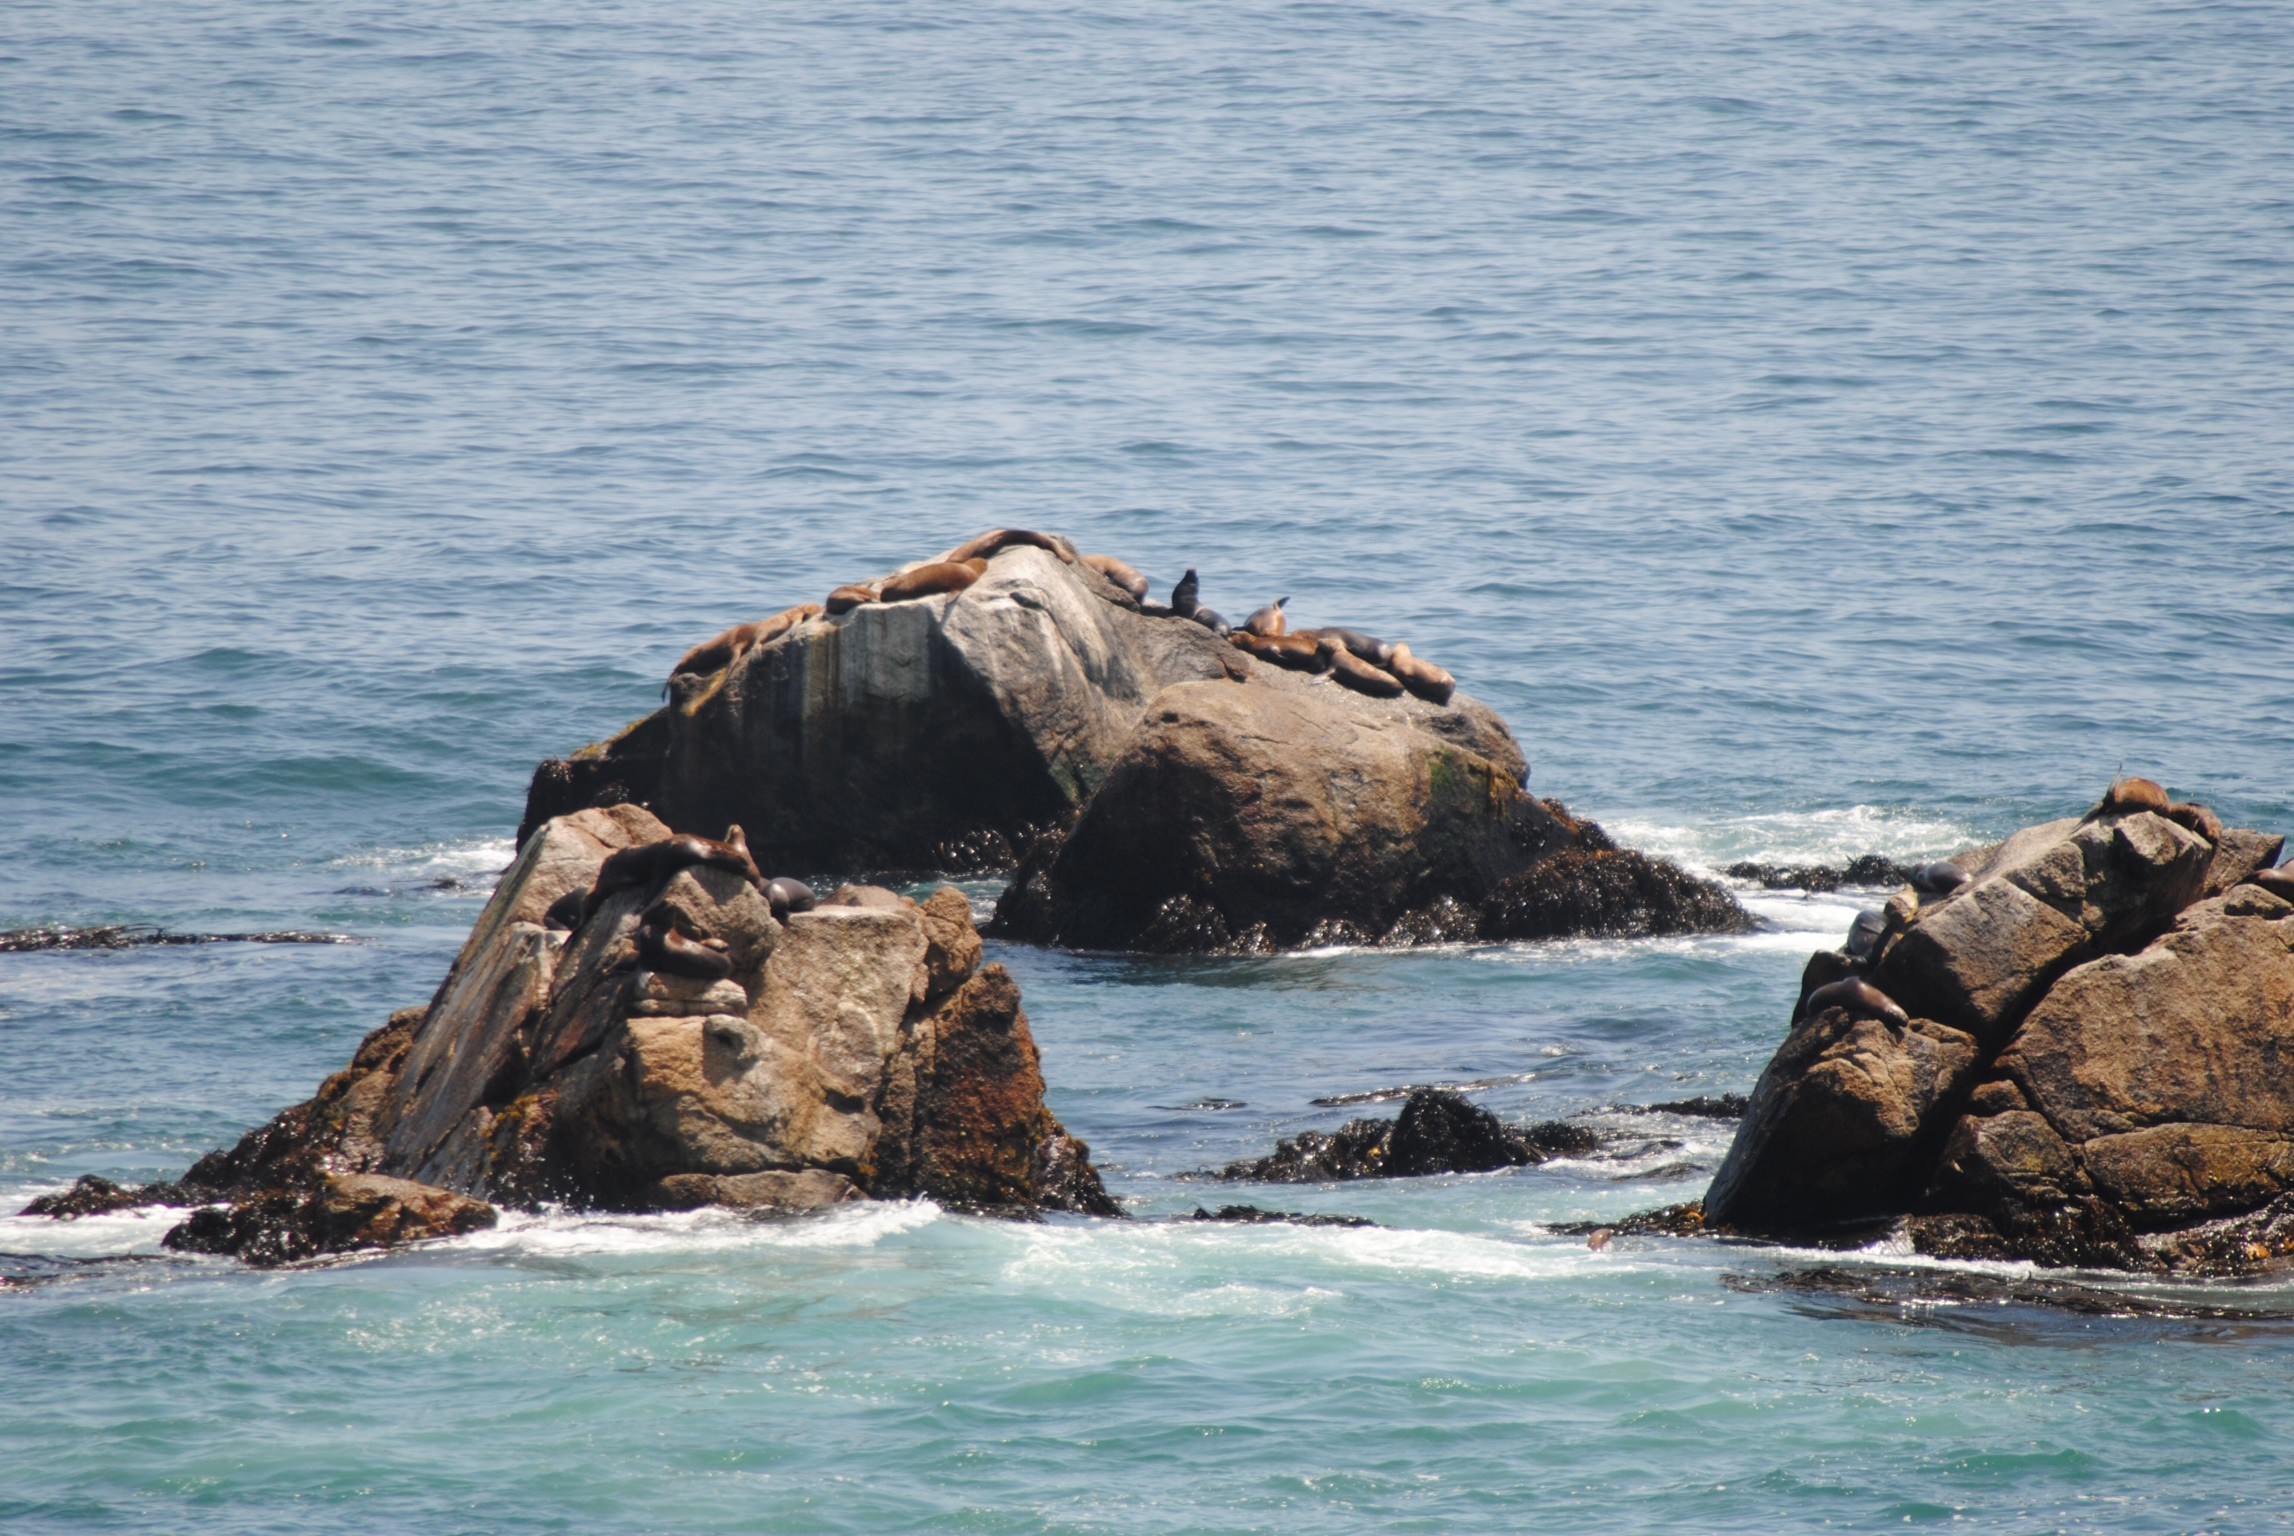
{"points": [[1212, 620], [1296, 652], [1858, 996], [2196, 818], [1268, 621], [660, 947], [988, 544], [1369, 647], [1422, 678], [1122, 575], [769, 630], [2278, 882], [932, 580], [648, 864], [845, 599], [1351, 670], [716, 654], [2127, 796]]}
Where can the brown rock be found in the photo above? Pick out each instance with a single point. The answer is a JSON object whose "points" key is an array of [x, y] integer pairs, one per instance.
{"points": [[336, 1214], [2172, 1175]]}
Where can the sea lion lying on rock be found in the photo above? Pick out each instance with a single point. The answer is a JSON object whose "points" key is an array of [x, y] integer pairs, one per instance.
{"points": [[845, 599], [988, 544], [1121, 574], [660, 947], [1296, 652], [1353, 672], [1858, 996], [1268, 621], [1369, 647], [1422, 678], [2127, 796], [717, 654], [932, 580], [785, 896], [649, 864]]}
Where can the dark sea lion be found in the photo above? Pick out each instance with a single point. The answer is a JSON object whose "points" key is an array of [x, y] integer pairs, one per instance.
{"points": [[1858, 996], [565, 913], [648, 864], [1183, 595], [660, 947], [2127, 796], [1369, 647], [1212, 620], [1940, 878], [1352, 671], [785, 896], [845, 599], [1422, 678], [932, 580], [1864, 933], [2196, 818], [1268, 621], [988, 544], [1122, 575], [1296, 652]]}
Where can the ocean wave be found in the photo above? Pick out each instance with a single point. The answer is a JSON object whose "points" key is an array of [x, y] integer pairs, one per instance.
{"points": [[463, 864], [1832, 836], [567, 1234]]}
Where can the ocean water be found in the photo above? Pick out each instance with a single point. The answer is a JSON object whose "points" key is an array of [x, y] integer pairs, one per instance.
{"points": [[1818, 429]]}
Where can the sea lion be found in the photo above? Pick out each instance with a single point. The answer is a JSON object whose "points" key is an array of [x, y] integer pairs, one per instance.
{"points": [[2127, 796], [565, 913], [1864, 933], [769, 630], [1353, 672], [2197, 819], [660, 947], [1939, 878], [845, 599], [1122, 575], [785, 896], [1599, 1238], [714, 655], [1183, 595], [931, 580], [1268, 621], [988, 544], [648, 864], [1422, 678], [2278, 882], [1369, 647], [1296, 652], [1212, 620], [1858, 996]]}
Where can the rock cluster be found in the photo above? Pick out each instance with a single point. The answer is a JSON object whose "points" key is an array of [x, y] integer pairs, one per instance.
{"points": [[859, 1049], [1436, 1132], [1156, 787], [2093, 1069]]}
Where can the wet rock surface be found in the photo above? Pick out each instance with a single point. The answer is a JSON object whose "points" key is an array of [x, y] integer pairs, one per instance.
{"points": [[139, 935], [1436, 1132], [2094, 1071], [1156, 788]]}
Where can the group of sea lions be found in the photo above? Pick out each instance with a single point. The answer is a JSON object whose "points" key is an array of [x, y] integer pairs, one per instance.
{"points": [[661, 945], [1868, 936], [1355, 660]]}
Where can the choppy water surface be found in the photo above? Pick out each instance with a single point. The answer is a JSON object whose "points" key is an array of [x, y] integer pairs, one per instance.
{"points": [[1819, 431]]}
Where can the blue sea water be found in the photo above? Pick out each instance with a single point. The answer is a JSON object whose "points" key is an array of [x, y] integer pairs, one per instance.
{"points": [[1818, 429]]}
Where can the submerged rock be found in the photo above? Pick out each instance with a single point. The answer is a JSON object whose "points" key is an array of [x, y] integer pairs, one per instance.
{"points": [[1156, 788], [2094, 1071], [337, 1213], [1436, 1132]]}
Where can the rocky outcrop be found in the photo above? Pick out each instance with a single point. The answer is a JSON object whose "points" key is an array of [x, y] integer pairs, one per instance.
{"points": [[1155, 787], [2094, 1071], [859, 1049], [1436, 1132]]}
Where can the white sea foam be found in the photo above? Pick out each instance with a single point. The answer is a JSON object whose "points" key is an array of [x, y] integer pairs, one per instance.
{"points": [[137, 1230], [1795, 837], [462, 862], [565, 1234]]}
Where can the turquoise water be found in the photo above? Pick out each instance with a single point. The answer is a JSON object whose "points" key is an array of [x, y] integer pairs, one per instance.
{"points": [[1818, 432]]}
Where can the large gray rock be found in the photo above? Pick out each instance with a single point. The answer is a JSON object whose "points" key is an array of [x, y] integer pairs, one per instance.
{"points": [[2119, 1087], [1165, 790]]}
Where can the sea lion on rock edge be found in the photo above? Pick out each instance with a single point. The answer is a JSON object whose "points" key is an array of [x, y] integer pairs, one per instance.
{"points": [[2197, 819], [785, 896], [1183, 595], [988, 544], [1268, 621], [1122, 575], [1864, 933], [649, 864], [769, 630], [565, 913], [1940, 878], [1422, 678], [660, 947], [1353, 672], [1296, 652], [845, 599], [932, 580], [2127, 796], [1212, 620], [1858, 996], [714, 655], [2278, 882]]}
